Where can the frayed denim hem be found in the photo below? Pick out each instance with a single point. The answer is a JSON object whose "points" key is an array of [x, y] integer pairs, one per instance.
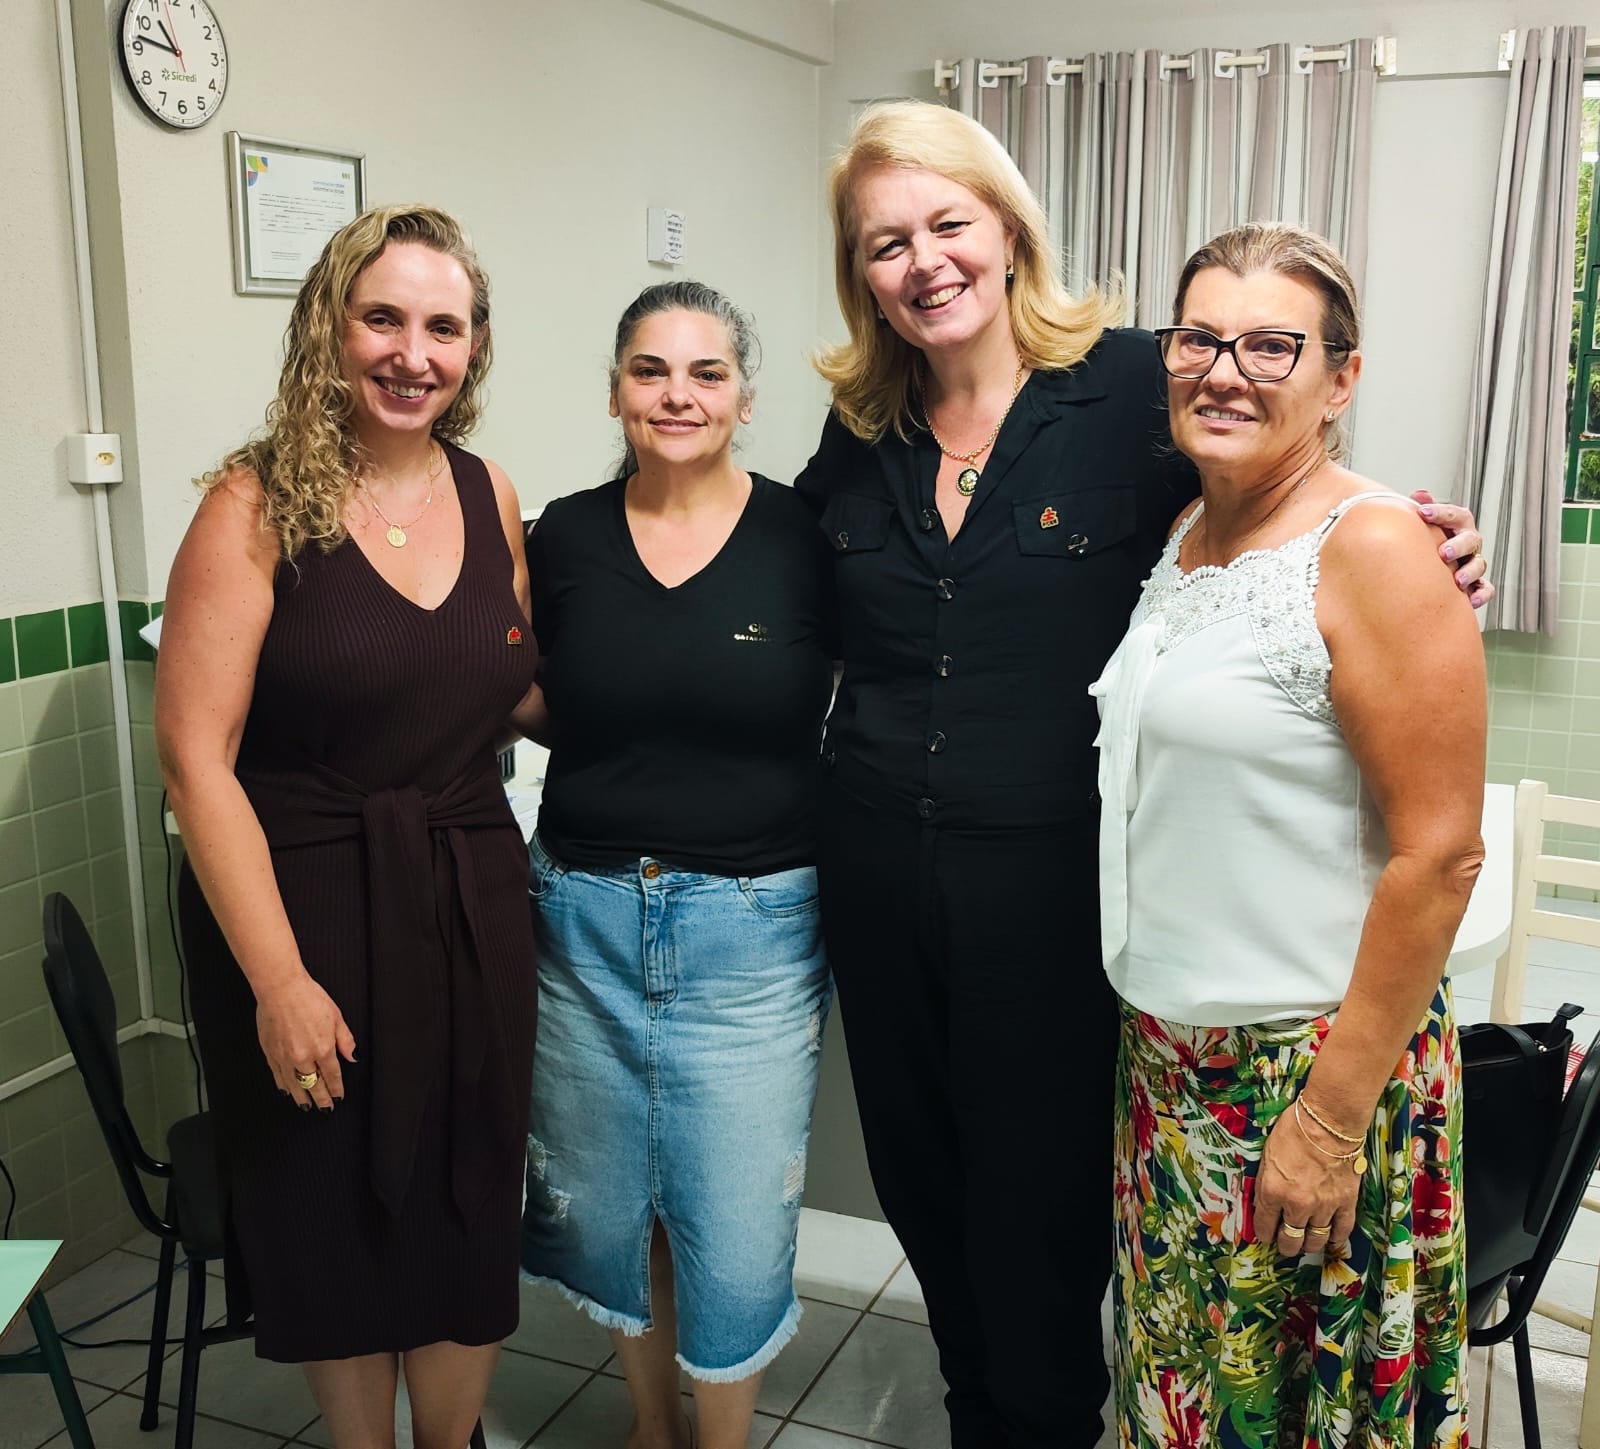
{"points": [[622, 1323], [757, 1361]]}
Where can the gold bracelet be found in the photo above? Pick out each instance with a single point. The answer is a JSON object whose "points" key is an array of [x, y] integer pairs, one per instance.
{"points": [[1356, 1159], [1328, 1127]]}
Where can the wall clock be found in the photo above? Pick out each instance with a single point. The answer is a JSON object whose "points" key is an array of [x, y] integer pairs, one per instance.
{"points": [[175, 60]]}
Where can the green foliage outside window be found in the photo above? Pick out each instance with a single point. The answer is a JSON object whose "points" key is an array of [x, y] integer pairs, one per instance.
{"points": [[1583, 360]]}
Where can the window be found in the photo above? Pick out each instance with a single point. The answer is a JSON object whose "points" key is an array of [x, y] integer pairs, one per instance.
{"points": [[1583, 438]]}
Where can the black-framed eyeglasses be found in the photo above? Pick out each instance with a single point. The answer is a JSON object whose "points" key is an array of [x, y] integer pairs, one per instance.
{"points": [[1268, 355]]}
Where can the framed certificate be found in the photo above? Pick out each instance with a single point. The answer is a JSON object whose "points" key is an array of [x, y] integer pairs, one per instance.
{"points": [[287, 200]]}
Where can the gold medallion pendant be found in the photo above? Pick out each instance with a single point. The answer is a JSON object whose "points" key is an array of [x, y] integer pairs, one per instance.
{"points": [[396, 536], [967, 482]]}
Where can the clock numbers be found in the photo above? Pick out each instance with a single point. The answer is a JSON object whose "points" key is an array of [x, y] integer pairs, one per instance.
{"points": [[175, 59]]}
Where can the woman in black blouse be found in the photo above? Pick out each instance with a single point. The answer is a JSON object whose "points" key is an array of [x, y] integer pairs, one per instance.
{"points": [[995, 480], [683, 619]]}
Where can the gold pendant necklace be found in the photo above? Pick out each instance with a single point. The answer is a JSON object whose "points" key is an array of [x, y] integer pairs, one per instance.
{"points": [[396, 533], [967, 478]]}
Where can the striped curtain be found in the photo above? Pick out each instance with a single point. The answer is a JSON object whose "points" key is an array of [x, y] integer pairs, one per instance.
{"points": [[1137, 164], [1514, 461]]}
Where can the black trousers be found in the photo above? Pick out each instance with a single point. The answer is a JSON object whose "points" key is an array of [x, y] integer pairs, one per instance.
{"points": [[982, 1036]]}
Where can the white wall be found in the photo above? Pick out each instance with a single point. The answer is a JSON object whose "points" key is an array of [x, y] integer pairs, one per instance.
{"points": [[1436, 134], [46, 538], [548, 128]]}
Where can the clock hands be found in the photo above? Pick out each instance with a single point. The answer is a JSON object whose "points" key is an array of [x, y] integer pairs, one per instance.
{"points": [[172, 40], [150, 40]]}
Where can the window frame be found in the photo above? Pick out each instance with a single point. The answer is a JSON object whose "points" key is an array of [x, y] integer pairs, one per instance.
{"points": [[1585, 296]]}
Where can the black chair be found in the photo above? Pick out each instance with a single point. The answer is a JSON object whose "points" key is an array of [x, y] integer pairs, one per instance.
{"points": [[87, 1011], [1552, 1205]]}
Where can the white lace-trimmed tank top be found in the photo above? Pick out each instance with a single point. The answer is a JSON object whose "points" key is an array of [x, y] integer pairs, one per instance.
{"points": [[1239, 848]]}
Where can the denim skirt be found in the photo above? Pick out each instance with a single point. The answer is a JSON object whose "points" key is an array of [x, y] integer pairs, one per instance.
{"points": [[681, 1018]]}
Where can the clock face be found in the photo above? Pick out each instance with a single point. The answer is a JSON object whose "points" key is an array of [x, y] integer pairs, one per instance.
{"points": [[174, 58]]}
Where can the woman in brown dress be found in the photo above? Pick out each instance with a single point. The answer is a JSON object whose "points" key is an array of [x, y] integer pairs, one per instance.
{"points": [[344, 636]]}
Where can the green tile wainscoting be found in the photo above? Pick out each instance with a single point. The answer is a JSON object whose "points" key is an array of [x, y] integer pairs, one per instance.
{"points": [[1580, 523], [1544, 694], [61, 829]]}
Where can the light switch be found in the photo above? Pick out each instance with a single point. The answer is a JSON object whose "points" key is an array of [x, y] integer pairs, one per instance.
{"points": [[664, 236], [94, 458]]}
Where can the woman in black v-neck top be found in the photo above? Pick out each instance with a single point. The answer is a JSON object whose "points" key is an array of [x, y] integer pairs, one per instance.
{"points": [[687, 718], [682, 614]]}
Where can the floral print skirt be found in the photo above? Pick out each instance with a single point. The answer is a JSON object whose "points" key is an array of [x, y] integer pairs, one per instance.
{"points": [[1218, 1341]]}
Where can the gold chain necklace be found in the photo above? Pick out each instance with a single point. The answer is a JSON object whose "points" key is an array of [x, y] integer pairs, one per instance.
{"points": [[967, 479], [397, 531]]}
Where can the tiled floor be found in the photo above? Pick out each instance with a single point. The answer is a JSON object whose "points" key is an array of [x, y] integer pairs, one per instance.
{"points": [[860, 1372]]}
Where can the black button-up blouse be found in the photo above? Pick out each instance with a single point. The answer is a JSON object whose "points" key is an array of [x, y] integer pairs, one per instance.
{"points": [[967, 662]]}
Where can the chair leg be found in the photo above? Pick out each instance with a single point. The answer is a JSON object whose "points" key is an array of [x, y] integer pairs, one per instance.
{"points": [[194, 1323], [1526, 1397], [55, 1362], [158, 1336], [477, 1441]]}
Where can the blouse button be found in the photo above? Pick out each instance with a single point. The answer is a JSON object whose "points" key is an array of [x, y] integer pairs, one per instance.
{"points": [[946, 588], [1077, 543], [936, 742], [943, 666], [844, 539], [927, 520]]}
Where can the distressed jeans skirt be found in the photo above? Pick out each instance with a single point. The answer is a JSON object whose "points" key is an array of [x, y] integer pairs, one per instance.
{"points": [[680, 1036]]}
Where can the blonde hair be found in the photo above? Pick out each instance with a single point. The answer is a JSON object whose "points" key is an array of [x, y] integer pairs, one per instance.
{"points": [[308, 456], [1290, 251], [874, 373]]}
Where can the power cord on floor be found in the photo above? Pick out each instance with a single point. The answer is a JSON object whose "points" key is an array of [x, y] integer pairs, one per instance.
{"points": [[183, 973], [65, 1335]]}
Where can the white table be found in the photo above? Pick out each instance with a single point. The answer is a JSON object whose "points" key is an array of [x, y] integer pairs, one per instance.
{"points": [[1486, 928], [23, 1264]]}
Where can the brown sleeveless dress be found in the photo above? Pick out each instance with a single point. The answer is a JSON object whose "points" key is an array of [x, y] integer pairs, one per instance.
{"points": [[368, 755]]}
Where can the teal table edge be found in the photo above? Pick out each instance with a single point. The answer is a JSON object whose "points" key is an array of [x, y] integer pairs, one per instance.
{"points": [[23, 1265]]}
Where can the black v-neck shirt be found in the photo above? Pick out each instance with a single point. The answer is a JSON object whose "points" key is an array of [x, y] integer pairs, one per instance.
{"points": [[685, 721]]}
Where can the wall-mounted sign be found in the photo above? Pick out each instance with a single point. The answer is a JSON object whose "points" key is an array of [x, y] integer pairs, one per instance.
{"points": [[287, 200]]}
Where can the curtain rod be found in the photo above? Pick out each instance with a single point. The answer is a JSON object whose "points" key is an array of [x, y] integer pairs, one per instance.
{"points": [[1508, 49], [948, 73]]}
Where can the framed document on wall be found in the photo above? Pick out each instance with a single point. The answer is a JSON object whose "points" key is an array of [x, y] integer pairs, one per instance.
{"points": [[287, 200]]}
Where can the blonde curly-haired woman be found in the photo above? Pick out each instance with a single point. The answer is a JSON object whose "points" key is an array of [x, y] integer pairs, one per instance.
{"points": [[344, 636]]}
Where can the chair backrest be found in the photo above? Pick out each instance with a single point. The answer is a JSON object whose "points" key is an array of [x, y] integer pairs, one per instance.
{"points": [[1574, 1156], [1532, 867], [87, 1011]]}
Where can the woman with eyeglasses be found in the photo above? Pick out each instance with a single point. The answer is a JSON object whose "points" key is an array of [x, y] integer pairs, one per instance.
{"points": [[995, 479], [1283, 873]]}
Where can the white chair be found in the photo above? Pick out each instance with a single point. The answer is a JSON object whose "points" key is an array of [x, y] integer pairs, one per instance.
{"points": [[1532, 867]]}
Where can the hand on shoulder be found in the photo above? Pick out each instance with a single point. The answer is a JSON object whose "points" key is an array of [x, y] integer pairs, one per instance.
{"points": [[1388, 554]]}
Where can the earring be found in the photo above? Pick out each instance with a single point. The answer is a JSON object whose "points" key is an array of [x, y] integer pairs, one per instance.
{"points": [[1011, 275], [1331, 416]]}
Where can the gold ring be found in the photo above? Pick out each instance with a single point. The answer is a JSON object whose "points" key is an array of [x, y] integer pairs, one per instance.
{"points": [[1289, 1230], [307, 1080], [1323, 1228]]}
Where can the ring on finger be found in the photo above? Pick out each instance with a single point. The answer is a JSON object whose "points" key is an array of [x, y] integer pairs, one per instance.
{"points": [[1320, 1230], [1289, 1230], [307, 1080]]}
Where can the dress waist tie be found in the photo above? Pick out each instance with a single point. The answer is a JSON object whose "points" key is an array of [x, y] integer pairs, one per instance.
{"points": [[411, 968]]}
